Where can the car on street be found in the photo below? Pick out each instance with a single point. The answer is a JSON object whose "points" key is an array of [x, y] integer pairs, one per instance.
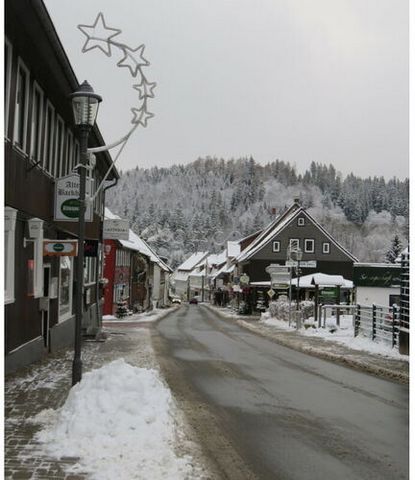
{"points": [[176, 300], [193, 301]]}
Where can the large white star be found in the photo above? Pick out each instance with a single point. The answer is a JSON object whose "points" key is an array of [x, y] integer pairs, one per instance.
{"points": [[98, 35], [141, 116], [145, 89], [133, 62]]}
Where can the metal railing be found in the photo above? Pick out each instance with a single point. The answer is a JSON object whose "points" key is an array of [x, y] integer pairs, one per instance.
{"points": [[378, 322]]}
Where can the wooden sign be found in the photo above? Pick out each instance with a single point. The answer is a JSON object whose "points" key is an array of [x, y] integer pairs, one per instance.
{"points": [[60, 248]]}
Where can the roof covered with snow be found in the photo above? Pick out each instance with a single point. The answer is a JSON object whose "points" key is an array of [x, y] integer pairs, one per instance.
{"points": [[137, 244], [276, 226], [322, 280], [192, 261], [233, 249]]}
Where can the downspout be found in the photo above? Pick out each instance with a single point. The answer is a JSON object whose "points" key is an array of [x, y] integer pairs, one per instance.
{"points": [[101, 242]]}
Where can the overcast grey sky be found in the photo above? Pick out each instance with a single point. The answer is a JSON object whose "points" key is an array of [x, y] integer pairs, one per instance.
{"points": [[297, 80]]}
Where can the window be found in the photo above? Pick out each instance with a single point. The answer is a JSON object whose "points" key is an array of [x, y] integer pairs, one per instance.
{"points": [[326, 247], [48, 139], [309, 245], [65, 287], [276, 246], [36, 127], [69, 153], [300, 221], [10, 215], [59, 144], [294, 243], [89, 270], [8, 56], [76, 155], [22, 104]]}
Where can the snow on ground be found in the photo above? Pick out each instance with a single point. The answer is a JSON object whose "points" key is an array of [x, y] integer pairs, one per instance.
{"points": [[343, 334], [120, 422], [150, 316]]}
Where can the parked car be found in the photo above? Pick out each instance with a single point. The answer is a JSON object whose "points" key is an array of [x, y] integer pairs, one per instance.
{"points": [[176, 300], [193, 301]]}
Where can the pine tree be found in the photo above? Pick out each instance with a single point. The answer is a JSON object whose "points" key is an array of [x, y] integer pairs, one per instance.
{"points": [[394, 251]]}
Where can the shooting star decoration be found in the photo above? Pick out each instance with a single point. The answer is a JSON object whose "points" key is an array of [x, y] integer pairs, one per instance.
{"points": [[100, 36]]}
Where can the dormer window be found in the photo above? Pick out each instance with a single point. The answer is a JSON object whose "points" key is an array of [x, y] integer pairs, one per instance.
{"points": [[300, 221]]}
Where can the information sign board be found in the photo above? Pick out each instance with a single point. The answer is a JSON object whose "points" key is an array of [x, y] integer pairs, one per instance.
{"points": [[67, 199]]}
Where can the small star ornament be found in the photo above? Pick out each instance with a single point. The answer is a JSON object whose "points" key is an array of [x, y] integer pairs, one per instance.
{"points": [[141, 116], [98, 35], [145, 89], [133, 59]]}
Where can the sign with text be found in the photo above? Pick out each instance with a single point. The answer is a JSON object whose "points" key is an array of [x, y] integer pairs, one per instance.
{"points": [[116, 229], [280, 275], [67, 199], [60, 248], [303, 264]]}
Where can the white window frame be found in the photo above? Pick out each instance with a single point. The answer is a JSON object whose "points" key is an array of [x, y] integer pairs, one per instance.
{"points": [[89, 271], [10, 215], [326, 251], [38, 260], [76, 154], [300, 221], [49, 140], [59, 155], [312, 250], [7, 85], [68, 152], [36, 155], [23, 146], [276, 246], [68, 314], [297, 240]]}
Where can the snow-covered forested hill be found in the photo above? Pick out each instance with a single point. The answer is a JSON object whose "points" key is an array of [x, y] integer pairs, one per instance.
{"points": [[188, 207]]}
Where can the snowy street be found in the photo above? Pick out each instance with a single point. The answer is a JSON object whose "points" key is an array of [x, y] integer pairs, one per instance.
{"points": [[266, 411], [120, 422]]}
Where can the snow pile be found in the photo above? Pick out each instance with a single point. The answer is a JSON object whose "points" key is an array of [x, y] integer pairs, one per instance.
{"points": [[119, 422]]}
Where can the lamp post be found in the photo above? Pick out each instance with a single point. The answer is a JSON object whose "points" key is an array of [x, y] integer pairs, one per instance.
{"points": [[299, 255], [85, 108]]}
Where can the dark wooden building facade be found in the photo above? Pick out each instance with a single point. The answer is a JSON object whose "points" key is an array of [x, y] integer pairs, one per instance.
{"points": [[295, 227], [40, 146]]}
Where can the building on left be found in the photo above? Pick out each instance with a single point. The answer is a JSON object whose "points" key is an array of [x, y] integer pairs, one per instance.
{"points": [[41, 146]]}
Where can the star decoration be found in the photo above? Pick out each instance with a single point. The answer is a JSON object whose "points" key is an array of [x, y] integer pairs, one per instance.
{"points": [[98, 35], [133, 62], [145, 89], [141, 116]]}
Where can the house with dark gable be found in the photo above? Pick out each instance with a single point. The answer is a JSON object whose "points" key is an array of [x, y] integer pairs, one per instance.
{"points": [[295, 228], [41, 146]]}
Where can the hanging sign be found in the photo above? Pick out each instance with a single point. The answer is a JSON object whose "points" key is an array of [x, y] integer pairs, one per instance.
{"points": [[67, 198], [116, 229], [60, 248], [244, 279]]}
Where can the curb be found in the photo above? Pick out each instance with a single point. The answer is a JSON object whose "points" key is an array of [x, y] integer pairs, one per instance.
{"points": [[400, 377]]}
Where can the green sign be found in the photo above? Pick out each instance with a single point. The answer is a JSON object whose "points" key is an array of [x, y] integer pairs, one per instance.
{"points": [[376, 276], [70, 208], [328, 293], [58, 247]]}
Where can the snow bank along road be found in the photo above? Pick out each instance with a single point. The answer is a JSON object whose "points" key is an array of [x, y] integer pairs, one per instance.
{"points": [[264, 411]]}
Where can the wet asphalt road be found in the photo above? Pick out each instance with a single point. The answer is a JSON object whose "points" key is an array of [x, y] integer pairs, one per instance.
{"points": [[289, 415]]}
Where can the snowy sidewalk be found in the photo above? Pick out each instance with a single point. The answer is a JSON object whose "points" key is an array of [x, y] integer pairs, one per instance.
{"points": [[46, 386], [390, 367]]}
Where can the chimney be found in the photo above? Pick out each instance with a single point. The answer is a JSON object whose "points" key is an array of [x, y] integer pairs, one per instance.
{"points": [[297, 201]]}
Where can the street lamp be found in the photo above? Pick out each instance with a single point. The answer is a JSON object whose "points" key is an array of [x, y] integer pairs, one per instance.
{"points": [[85, 108]]}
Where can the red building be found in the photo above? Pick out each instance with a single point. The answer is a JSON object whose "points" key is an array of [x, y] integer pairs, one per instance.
{"points": [[117, 270]]}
